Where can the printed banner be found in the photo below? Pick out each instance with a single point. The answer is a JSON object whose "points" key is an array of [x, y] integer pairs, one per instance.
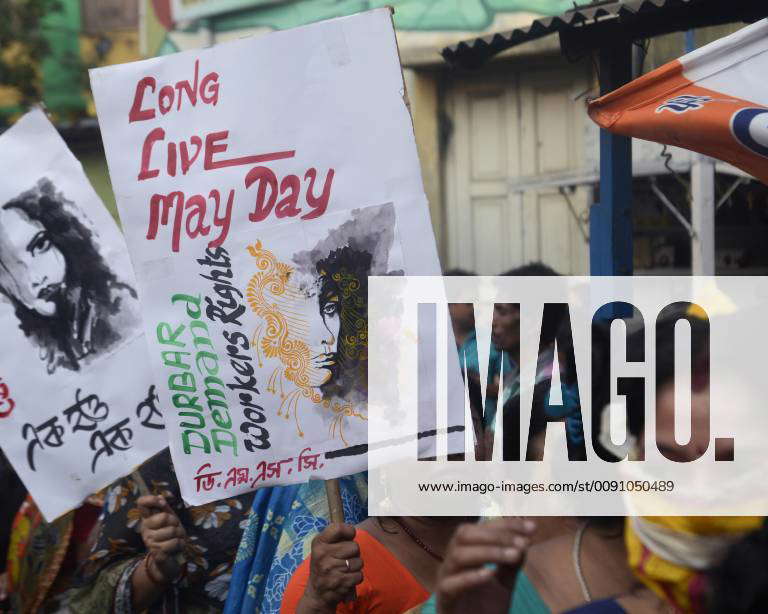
{"points": [[260, 183], [77, 405], [713, 101]]}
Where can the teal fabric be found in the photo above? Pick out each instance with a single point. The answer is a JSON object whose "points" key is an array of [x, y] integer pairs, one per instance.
{"points": [[525, 599], [469, 359]]}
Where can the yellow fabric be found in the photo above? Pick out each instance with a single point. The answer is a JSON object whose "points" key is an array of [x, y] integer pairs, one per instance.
{"points": [[678, 585], [707, 525]]}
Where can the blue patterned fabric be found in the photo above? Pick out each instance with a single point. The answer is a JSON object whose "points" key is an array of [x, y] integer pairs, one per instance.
{"points": [[278, 536]]}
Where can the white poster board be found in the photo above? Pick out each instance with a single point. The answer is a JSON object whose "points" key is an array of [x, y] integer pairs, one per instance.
{"points": [[260, 183], [77, 405]]}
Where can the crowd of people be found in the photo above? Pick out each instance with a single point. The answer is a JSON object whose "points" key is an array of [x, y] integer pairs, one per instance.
{"points": [[275, 551]]}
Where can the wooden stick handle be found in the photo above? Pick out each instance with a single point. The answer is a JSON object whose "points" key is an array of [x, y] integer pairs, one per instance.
{"points": [[336, 509], [333, 492]]}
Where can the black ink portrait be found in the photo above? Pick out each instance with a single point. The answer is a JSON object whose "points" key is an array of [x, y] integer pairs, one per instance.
{"points": [[68, 302], [314, 315]]}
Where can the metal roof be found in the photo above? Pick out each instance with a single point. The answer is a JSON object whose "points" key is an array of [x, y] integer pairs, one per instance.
{"points": [[594, 25]]}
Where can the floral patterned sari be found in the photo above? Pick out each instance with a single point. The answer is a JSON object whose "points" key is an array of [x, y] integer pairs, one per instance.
{"points": [[213, 535]]}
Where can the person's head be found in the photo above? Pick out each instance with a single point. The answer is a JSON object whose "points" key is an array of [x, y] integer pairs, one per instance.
{"points": [[505, 333], [32, 265]]}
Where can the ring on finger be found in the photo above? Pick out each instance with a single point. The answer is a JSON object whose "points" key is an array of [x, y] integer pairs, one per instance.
{"points": [[347, 562]]}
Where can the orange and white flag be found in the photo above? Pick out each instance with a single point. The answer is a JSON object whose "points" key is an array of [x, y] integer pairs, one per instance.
{"points": [[713, 101]]}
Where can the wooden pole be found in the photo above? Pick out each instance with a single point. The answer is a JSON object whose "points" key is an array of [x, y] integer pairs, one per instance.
{"points": [[333, 493], [336, 512]]}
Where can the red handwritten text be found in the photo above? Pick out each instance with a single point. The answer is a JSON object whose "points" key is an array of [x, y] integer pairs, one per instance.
{"points": [[195, 209], [236, 476], [7, 404], [207, 89], [206, 480], [183, 155], [198, 215], [290, 188]]}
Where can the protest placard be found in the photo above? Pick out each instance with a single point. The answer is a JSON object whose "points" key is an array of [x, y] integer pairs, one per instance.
{"points": [[77, 405], [260, 183]]}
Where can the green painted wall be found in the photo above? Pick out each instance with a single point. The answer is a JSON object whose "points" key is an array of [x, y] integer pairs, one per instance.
{"points": [[62, 71], [424, 15]]}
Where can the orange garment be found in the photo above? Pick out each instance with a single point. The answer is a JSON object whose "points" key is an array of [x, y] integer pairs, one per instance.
{"points": [[387, 587]]}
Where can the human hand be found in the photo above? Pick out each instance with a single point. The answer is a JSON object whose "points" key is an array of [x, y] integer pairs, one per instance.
{"points": [[164, 538], [335, 568], [481, 565]]}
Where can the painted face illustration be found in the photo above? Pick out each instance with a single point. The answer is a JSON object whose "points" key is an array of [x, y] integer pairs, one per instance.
{"points": [[323, 321], [32, 269], [311, 327]]}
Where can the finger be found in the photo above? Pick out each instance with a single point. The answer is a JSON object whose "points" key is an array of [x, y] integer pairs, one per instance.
{"points": [[165, 533], [334, 565], [467, 557], [518, 524], [343, 550], [338, 580], [171, 546], [355, 565], [336, 532], [452, 586], [163, 519], [498, 532], [348, 580], [330, 565], [147, 505]]}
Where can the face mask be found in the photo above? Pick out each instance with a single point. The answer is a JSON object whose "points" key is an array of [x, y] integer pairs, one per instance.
{"points": [[669, 553]]}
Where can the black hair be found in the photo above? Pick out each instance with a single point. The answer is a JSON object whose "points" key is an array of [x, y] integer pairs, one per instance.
{"points": [[457, 272], [532, 269], [88, 281], [344, 273]]}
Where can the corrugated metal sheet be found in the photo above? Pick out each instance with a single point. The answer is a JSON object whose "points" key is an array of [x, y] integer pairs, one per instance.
{"points": [[602, 19]]}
